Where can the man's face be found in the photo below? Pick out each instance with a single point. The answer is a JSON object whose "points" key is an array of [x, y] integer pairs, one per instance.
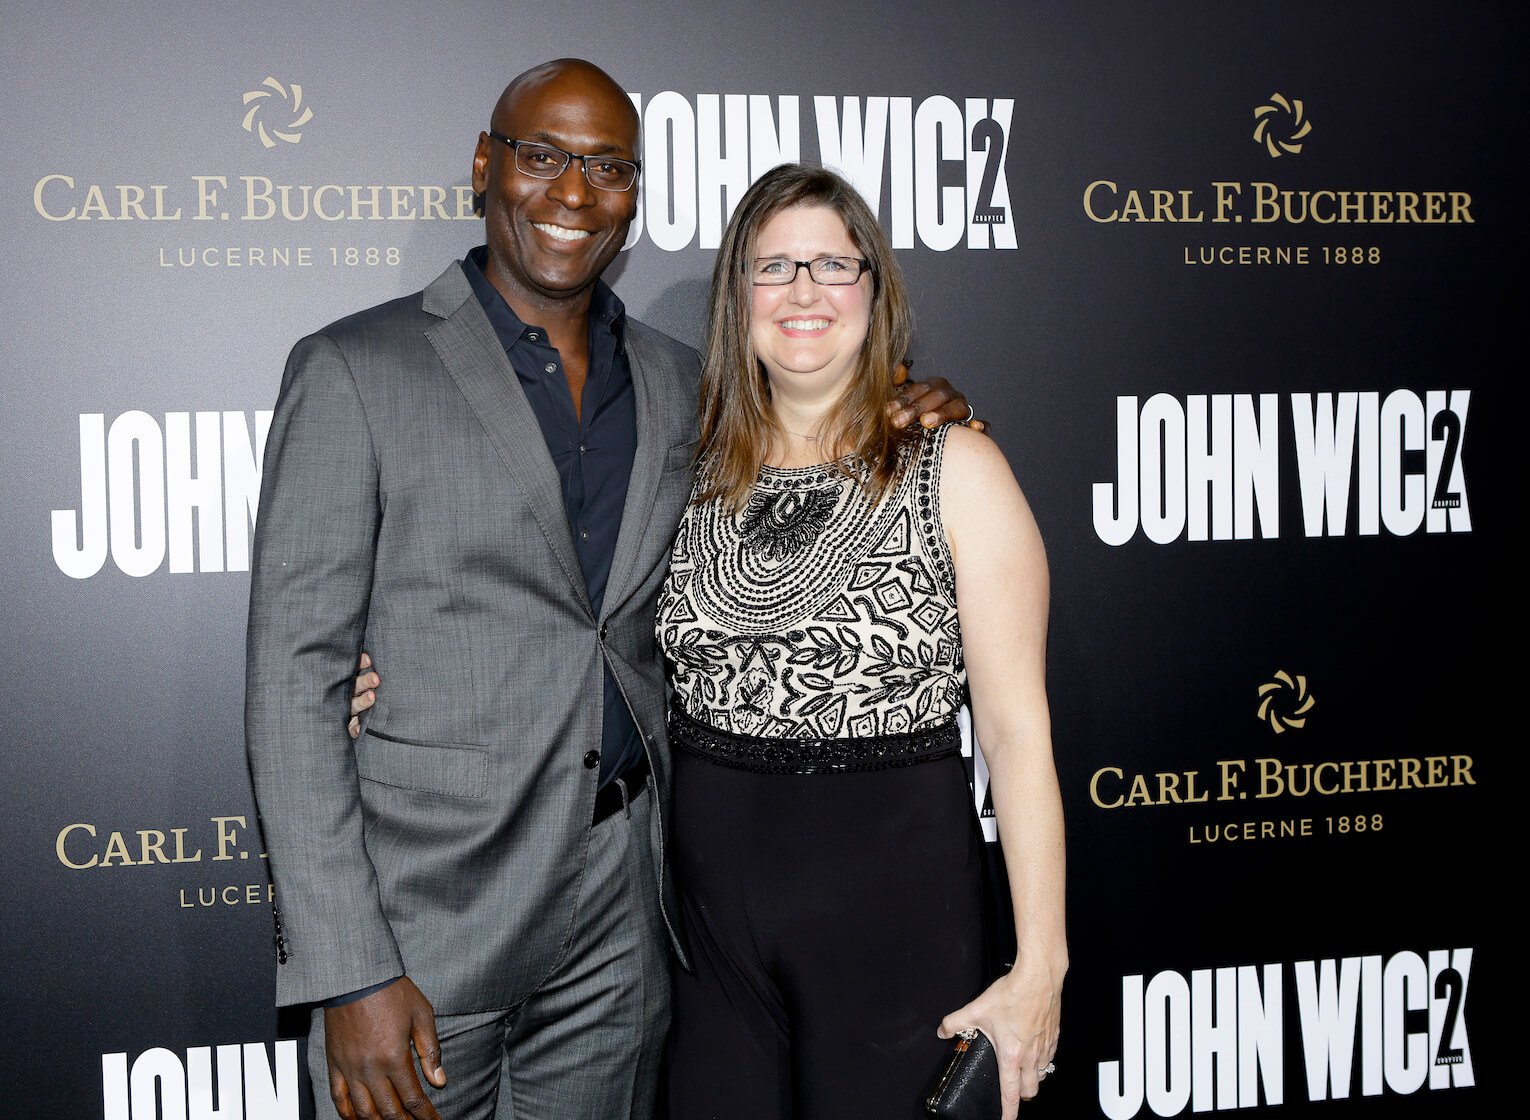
{"points": [[550, 239]]}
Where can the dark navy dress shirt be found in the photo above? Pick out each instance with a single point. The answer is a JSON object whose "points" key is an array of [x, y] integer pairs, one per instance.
{"points": [[592, 450]]}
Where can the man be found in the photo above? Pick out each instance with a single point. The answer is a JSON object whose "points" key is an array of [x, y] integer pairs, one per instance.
{"points": [[480, 483]]}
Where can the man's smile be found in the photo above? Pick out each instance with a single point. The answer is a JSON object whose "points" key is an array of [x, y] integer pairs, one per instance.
{"points": [[562, 233]]}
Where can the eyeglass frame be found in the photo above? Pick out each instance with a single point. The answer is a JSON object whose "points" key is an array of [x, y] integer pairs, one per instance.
{"points": [[866, 267], [568, 158]]}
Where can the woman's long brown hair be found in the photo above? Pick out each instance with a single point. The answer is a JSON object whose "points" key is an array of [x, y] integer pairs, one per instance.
{"points": [[737, 425]]}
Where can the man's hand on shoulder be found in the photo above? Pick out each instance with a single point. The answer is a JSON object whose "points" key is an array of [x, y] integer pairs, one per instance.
{"points": [[371, 1069], [933, 402]]}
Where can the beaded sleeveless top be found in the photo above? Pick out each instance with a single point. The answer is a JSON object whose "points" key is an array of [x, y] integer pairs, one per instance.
{"points": [[814, 613]]}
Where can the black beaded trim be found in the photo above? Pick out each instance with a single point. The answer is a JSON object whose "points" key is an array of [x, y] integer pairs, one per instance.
{"points": [[763, 755], [848, 468], [927, 502]]}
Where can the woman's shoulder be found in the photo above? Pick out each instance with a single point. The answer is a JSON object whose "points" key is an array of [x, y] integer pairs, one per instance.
{"points": [[970, 455], [977, 486], [986, 516]]}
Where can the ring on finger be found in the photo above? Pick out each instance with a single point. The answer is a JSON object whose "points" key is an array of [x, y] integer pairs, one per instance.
{"points": [[1050, 1067]]}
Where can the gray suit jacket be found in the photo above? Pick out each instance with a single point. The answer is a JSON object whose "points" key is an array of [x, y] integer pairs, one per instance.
{"points": [[409, 506]]}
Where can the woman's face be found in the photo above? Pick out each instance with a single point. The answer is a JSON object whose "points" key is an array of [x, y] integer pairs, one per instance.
{"points": [[809, 335]]}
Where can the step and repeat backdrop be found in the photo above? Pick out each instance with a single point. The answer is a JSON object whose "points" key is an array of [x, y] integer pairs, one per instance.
{"points": [[1238, 285]]}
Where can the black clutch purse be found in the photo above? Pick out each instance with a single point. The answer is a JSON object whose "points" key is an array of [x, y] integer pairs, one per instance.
{"points": [[966, 1086]]}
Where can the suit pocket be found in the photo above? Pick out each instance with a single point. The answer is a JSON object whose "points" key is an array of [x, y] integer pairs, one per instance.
{"points": [[682, 456], [428, 767]]}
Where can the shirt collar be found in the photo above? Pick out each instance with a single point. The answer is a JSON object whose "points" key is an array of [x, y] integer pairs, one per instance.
{"points": [[605, 308]]}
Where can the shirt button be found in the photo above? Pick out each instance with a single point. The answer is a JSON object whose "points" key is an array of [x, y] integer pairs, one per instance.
{"points": [[581, 449], [550, 367], [591, 760], [584, 534]]}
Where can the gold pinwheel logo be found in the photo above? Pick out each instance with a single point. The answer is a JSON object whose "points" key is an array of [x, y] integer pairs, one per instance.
{"points": [[1281, 125], [1284, 702], [259, 100]]}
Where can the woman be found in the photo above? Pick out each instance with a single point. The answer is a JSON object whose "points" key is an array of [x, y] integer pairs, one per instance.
{"points": [[833, 586]]}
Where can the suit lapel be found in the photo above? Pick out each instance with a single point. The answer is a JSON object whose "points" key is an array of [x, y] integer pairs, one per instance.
{"points": [[654, 401], [472, 355]]}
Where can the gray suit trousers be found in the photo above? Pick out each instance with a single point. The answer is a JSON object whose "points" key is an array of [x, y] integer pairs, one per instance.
{"points": [[585, 1045]]}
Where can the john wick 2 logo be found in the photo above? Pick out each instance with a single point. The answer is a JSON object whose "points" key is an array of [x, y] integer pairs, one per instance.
{"points": [[1220, 1039], [249, 1081], [1211, 468]]}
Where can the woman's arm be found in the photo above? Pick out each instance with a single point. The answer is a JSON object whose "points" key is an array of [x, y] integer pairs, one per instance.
{"points": [[1002, 593]]}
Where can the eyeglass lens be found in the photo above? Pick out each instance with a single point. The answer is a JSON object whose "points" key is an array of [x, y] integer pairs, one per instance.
{"points": [[543, 162], [823, 270]]}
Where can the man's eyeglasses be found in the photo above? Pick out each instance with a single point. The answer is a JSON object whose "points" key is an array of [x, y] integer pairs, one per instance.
{"points": [[779, 271], [543, 161]]}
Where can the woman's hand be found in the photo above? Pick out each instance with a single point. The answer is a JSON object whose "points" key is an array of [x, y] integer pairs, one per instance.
{"points": [[362, 694], [1019, 1013]]}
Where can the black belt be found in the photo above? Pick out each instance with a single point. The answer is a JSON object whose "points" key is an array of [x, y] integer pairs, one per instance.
{"points": [[771, 755], [609, 798]]}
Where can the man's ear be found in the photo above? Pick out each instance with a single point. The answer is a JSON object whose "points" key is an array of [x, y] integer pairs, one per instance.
{"points": [[481, 164]]}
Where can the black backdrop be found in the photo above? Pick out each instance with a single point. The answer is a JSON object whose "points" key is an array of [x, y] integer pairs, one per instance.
{"points": [[152, 324]]}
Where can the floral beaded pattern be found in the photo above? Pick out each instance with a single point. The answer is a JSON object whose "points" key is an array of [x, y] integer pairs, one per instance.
{"points": [[813, 612]]}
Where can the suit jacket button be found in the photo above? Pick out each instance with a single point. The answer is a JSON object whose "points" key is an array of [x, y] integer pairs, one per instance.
{"points": [[591, 760], [602, 631]]}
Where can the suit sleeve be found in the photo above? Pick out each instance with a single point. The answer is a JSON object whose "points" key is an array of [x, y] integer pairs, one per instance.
{"points": [[310, 586]]}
